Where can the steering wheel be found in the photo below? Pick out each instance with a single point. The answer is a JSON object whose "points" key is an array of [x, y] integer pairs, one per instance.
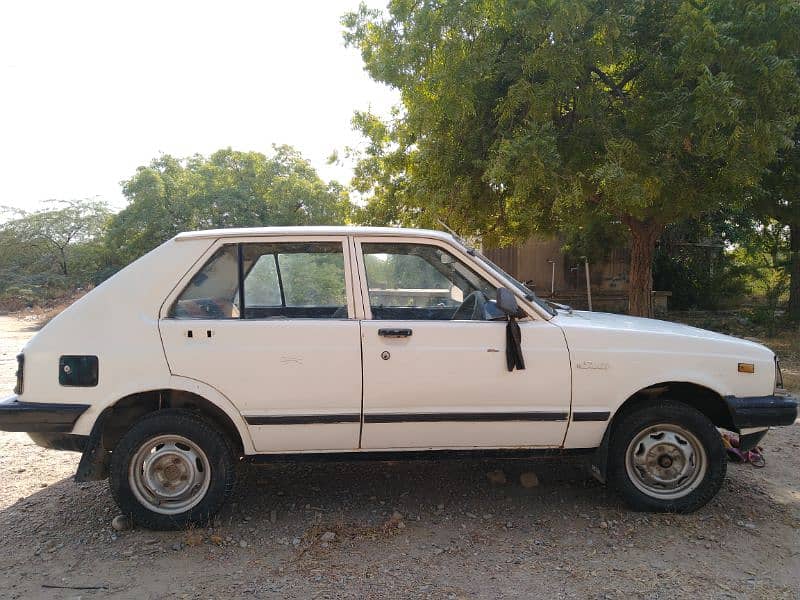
{"points": [[471, 308]]}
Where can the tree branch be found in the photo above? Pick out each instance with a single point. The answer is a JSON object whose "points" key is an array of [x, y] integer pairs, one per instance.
{"points": [[615, 89]]}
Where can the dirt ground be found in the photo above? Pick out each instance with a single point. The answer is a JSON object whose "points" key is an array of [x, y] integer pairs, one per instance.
{"points": [[433, 529]]}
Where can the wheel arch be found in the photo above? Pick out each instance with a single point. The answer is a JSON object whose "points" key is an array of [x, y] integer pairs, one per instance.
{"points": [[116, 418], [704, 399]]}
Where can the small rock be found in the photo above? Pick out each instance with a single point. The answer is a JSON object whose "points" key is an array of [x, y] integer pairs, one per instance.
{"points": [[296, 542], [529, 480], [603, 525], [396, 517], [328, 536], [177, 546], [243, 544], [496, 477], [121, 523]]}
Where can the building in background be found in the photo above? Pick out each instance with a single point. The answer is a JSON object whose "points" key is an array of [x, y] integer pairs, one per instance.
{"points": [[541, 263]]}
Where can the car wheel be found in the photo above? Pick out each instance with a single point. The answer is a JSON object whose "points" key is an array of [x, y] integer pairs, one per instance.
{"points": [[171, 469], [666, 456]]}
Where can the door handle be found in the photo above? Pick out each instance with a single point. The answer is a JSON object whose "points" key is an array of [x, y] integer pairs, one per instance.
{"points": [[395, 332]]}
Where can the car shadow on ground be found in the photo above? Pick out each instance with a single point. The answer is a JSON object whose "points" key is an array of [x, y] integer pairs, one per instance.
{"points": [[437, 528]]}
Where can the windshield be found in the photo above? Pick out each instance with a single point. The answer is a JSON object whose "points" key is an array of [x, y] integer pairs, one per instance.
{"points": [[529, 294]]}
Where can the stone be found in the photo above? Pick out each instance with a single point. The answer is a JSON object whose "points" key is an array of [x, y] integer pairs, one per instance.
{"points": [[328, 536], [396, 517], [496, 477], [242, 544], [121, 523], [528, 480]]}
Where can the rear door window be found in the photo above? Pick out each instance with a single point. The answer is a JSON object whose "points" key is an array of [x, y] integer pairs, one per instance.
{"points": [[303, 280]]}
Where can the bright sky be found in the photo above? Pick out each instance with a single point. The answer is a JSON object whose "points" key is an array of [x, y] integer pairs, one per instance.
{"points": [[91, 90]]}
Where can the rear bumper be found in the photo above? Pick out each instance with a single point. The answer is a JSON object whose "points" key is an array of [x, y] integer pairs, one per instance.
{"points": [[37, 416], [762, 411]]}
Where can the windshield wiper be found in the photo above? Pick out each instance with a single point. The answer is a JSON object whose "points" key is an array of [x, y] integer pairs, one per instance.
{"points": [[558, 306]]}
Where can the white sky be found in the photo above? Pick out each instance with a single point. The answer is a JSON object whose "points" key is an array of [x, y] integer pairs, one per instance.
{"points": [[91, 90]]}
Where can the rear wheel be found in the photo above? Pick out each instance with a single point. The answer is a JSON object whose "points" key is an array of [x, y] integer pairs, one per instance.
{"points": [[172, 468], [666, 456]]}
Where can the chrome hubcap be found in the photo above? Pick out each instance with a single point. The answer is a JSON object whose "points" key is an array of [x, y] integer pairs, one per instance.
{"points": [[169, 474], [666, 461]]}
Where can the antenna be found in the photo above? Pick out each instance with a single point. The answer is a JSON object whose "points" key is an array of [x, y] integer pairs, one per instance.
{"points": [[450, 231]]}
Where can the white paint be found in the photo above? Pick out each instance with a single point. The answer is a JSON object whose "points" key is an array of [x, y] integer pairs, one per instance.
{"points": [[584, 362]]}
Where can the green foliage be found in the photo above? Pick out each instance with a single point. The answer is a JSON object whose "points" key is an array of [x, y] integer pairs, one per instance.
{"points": [[520, 117], [43, 254], [696, 263], [778, 198], [764, 253], [226, 189]]}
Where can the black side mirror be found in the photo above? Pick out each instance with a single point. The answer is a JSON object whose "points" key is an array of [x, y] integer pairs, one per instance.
{"points": [[507, 302]]}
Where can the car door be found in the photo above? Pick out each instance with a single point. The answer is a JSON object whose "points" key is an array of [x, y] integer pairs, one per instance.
{"points": [[435, 372], [270, 324]]}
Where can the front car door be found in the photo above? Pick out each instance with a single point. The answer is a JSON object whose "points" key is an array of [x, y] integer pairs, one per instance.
{"points": [[270, 323], [435, 373]]}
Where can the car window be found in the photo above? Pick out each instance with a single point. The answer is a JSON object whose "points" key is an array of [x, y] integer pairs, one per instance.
{"points": [[422, 281], [210, 293], [295, 280], [281, 280]]}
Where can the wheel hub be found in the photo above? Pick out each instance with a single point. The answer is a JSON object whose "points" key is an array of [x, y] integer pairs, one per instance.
{"points": [[170, 474], [666, 461]]}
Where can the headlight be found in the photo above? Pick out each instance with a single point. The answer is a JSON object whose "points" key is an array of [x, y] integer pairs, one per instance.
{"points": [[20, 373]]}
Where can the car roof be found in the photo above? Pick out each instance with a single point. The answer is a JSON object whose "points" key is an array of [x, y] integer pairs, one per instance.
{"points": [[313, 230]]}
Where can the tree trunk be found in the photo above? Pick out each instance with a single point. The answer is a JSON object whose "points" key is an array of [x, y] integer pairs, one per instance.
{"points": [[644, 235], [794, 272]]}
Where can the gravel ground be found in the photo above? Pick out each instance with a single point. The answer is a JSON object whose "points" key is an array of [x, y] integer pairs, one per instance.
{"points": [[424, 529]]}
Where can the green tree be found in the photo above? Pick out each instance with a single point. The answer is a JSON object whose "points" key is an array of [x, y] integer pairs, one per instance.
{"points": [[45, 252], [779, 199], [519, 116], [226, 189]]}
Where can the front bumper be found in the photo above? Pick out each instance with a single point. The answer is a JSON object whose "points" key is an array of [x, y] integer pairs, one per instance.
{"points": [[762, 411], [38, 417]]}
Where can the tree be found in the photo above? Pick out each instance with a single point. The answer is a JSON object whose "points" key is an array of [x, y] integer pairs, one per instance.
{"points": [[523, 116], [226, 189], [779, 199], [58, 230], [51, 249]]}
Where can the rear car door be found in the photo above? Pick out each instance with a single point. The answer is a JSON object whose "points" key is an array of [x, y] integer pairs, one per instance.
{"points": [[435, 373], [270, 323]]}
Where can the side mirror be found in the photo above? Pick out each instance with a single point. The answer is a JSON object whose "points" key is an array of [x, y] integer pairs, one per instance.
{"points": [[507, 302]]}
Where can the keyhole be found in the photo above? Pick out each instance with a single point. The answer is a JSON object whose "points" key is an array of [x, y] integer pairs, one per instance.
{"points": [[385, 355]]}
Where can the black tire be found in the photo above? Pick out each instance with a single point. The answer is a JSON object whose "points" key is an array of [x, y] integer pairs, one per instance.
{"points": [[630, 477], [213, 446]]}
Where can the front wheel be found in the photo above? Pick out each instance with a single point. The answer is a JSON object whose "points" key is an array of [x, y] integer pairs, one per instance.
{"points": [[666, 457], [171, 469]]}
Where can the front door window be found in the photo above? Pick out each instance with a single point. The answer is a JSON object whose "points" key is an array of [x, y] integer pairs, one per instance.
{"points": [[422, 282]]}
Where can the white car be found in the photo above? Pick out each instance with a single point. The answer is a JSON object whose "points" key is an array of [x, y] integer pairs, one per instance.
{"points": [[254, 344]]}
